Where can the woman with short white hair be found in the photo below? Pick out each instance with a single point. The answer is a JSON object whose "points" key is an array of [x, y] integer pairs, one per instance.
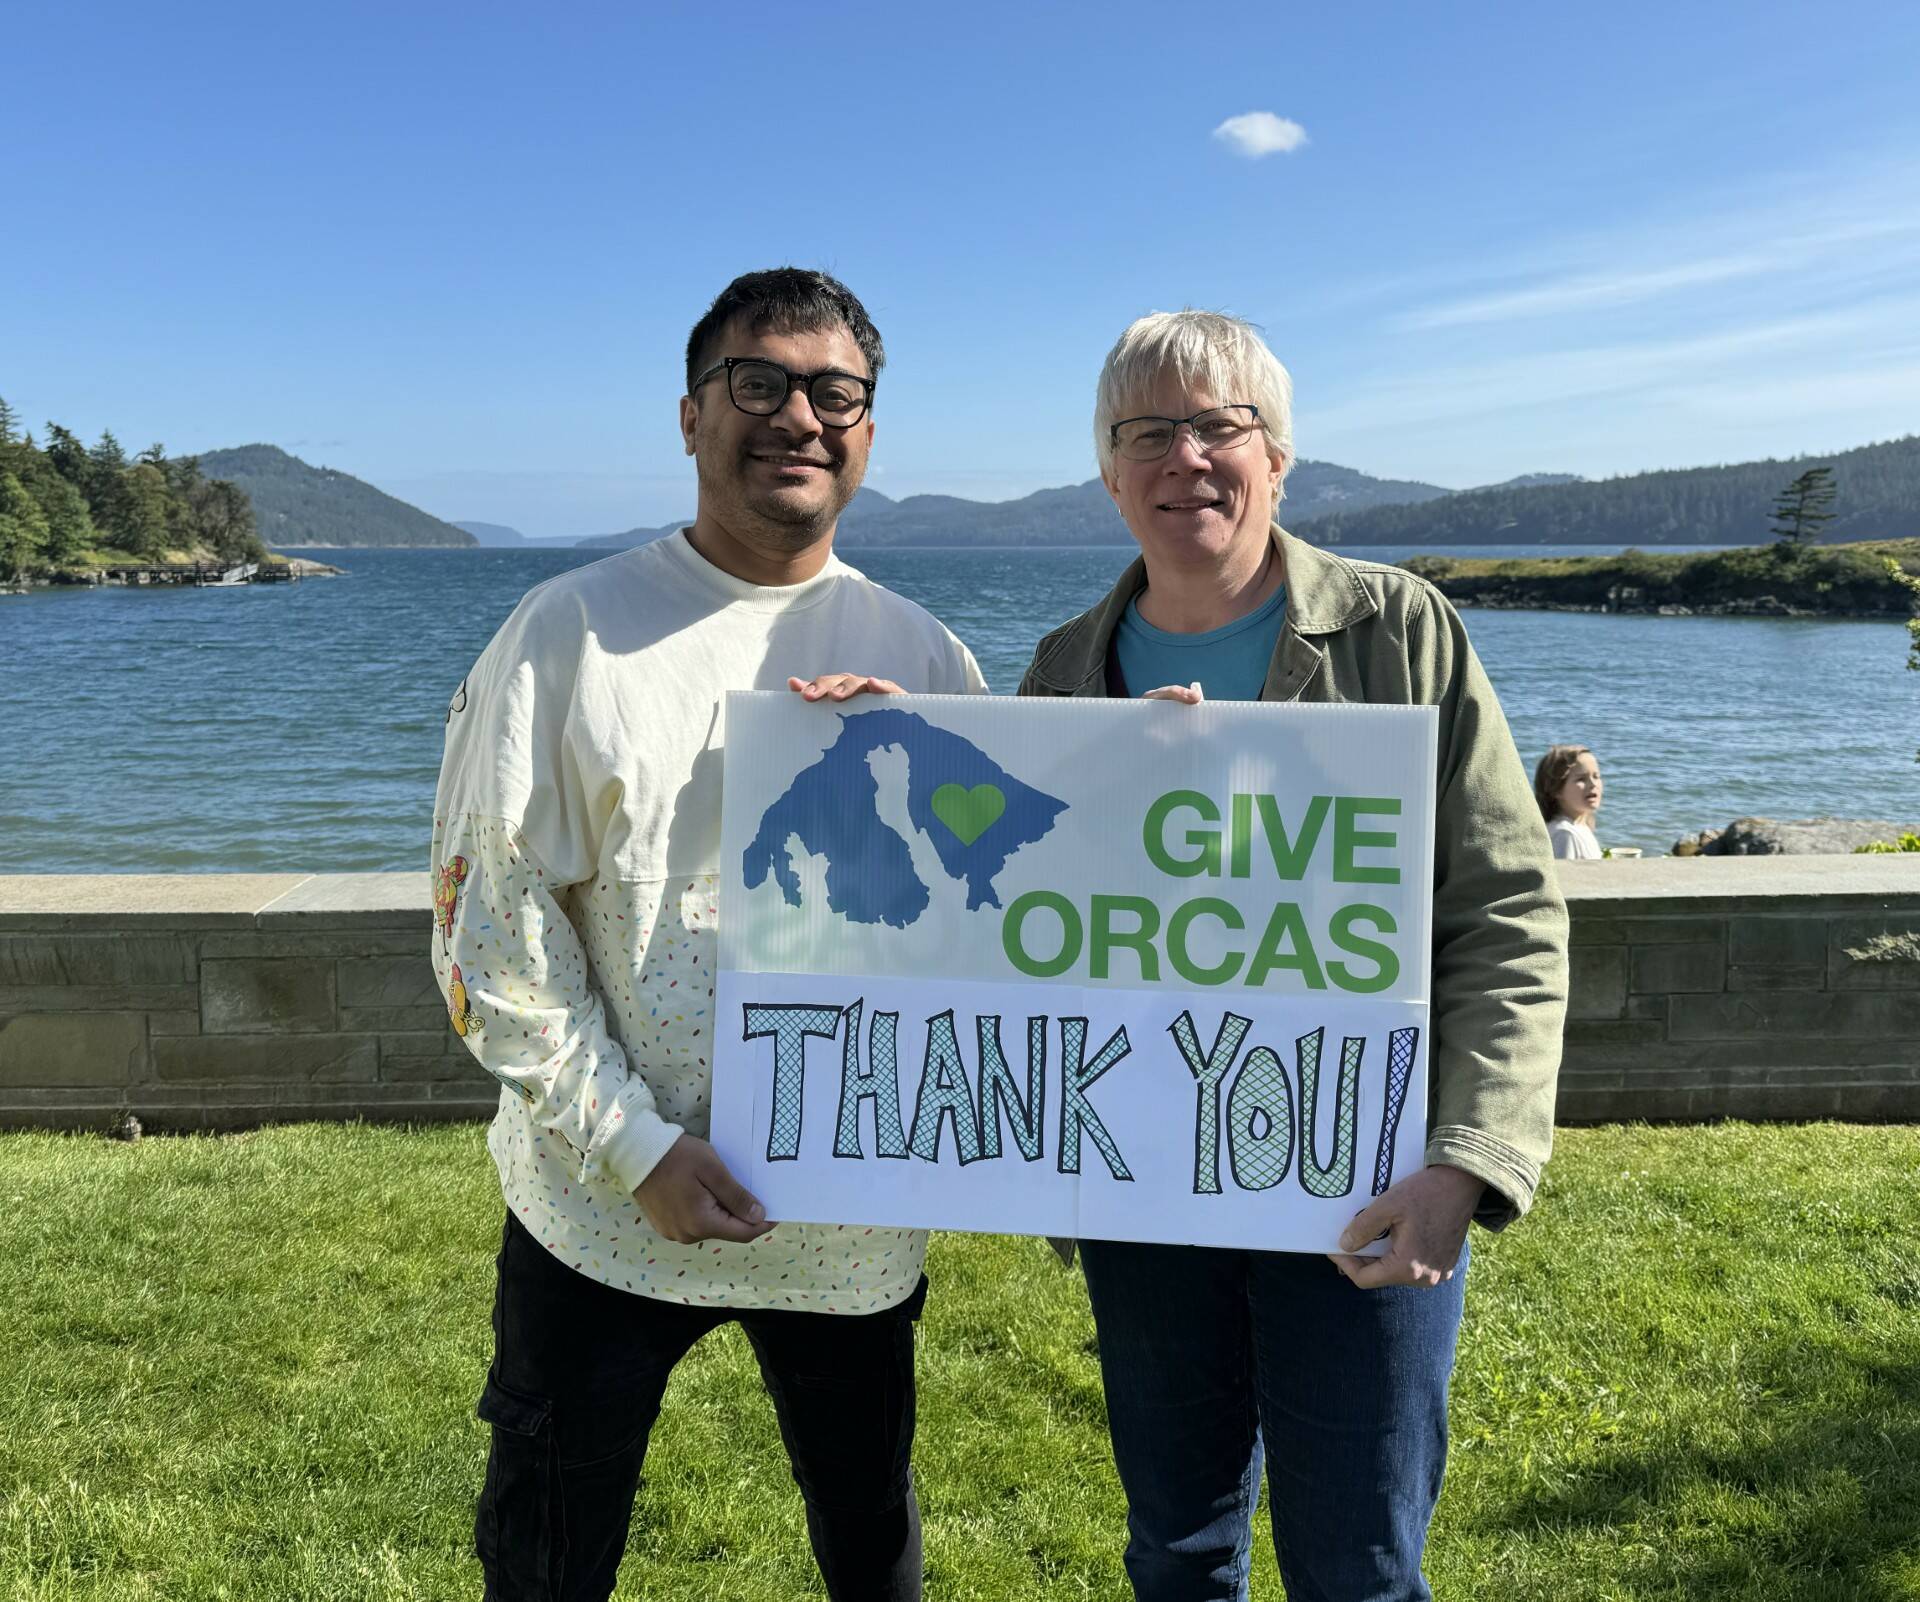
{"points": [[1215, 1359]]}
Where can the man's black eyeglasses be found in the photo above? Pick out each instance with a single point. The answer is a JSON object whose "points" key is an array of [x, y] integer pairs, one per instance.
{"points": [[760, 388]]}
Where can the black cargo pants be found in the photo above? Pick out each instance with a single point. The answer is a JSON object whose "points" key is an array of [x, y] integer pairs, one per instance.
{"points": [[578, 1372]]}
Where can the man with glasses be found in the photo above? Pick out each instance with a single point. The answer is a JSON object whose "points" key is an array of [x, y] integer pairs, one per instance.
{"points": [[576, 857]]}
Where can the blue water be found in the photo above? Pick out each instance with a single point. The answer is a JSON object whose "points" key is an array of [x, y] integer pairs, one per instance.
{"points": [[298, 728]]}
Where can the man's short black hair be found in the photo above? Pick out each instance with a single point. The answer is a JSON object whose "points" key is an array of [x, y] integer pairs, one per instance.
{"points": [[785, 300]]}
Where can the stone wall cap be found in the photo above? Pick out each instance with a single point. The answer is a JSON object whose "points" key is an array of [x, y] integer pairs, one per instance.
{"points": [[116, 900], [1700, 883], [347, 900], [342, 900]]}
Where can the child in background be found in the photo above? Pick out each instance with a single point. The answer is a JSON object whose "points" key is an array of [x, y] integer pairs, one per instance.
{"points": [[1567, 787]]}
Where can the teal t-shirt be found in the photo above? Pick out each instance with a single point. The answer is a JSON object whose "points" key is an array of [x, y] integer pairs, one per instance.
{"points": [[1230, 662]]}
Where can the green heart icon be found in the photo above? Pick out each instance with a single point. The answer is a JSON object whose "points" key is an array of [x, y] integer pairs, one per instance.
{"points": [[969, 813]]}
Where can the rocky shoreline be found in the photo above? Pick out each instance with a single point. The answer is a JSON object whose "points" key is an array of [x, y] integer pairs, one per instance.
{"points": [[1756, 606], [274, 570], [1799, 837], [1765, 581]]}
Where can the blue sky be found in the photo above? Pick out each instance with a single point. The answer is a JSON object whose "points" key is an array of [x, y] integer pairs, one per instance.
{"points": [[456, 250]]}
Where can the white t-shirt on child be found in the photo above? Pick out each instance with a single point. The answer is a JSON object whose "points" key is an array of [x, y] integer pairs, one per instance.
{"points": [[1574, 841]]}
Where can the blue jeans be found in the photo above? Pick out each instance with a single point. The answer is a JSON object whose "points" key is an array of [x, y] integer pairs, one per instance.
{"points": [[1209, 1354]]}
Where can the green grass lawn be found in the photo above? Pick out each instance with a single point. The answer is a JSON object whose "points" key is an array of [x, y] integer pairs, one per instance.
{"points": [[246, 1367]]}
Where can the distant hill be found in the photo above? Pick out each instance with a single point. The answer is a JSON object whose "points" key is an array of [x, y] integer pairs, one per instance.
{"points": [[1315, 489], [499, 535], [1878, 485], [492, 533], [1084, 514], [296, 503], [1529, 480], [1079, 514], [626, 539]]}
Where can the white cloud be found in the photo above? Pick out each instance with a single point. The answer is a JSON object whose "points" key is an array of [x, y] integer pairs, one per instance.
{"points": [[1261, 133]]}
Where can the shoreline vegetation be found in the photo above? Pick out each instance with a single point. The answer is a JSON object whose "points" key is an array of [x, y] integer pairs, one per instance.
{"points": [[1846, 581], [74, 513]]}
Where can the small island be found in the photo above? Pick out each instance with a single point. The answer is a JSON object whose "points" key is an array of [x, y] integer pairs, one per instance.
{"points": [[1778, 580], [79, 514]]}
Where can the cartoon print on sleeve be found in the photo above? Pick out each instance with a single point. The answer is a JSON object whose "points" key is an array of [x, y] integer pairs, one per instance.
{"points": [[466, 1022], [446, 893]]}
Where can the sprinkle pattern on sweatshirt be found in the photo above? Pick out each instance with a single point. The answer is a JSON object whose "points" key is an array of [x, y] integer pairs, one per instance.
{"points": [[587, 982]]}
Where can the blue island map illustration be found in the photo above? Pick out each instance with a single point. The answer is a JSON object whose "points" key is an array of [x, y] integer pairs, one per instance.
{"points": [[975, 814]]}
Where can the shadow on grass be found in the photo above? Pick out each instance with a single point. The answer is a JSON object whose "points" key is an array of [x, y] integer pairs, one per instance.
{"points": [[1809, 1504]]}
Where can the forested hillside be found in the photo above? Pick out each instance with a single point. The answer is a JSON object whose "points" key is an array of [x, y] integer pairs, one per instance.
{"points": [[1878, 498], [298, 504]]}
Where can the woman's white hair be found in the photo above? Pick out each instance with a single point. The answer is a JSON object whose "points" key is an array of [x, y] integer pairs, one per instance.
{"points": [[1206, 353]]}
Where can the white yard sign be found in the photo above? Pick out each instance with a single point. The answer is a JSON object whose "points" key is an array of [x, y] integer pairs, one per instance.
{"points": [[1114, 969]]}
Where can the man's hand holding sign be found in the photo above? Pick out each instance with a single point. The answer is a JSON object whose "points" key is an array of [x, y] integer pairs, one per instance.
{"points": [[690, 1196]]}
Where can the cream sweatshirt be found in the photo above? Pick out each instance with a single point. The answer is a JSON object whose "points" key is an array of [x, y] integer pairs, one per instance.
{"points": [[576, 852]]}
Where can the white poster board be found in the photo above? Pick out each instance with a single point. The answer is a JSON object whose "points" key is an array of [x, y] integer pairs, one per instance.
{"points": [[1122, 970]]}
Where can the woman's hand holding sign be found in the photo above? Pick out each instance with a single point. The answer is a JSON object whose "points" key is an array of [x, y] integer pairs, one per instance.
{"points": [[1185, 694], [1424, 1219]]}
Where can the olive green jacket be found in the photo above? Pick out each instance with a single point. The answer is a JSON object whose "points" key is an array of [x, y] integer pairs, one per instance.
{"points": [[1358, 631]]}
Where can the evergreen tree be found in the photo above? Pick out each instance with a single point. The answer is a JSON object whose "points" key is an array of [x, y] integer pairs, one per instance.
{"points": [[107, 453], [69, 457], [1803, 509], [142, 525], [106, 462], [23, 527], [8, 419], [69, 529], [222, 517], [105, 487]]}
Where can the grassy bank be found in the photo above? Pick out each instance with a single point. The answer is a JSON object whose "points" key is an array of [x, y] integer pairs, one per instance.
{"points": [[246, 1367], [1829, 580]]}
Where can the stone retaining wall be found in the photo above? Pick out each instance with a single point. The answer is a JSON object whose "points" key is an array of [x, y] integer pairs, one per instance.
{"points": [[1766, 988], [219, 1001], [1744, 987]]}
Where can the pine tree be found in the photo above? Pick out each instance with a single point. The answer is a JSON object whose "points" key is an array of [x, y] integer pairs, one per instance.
{"points": [[8, 419], [105, 486], [23, 527], [69, 457], [142, 525], [1802, 509], [222, 516], [69, 529]]}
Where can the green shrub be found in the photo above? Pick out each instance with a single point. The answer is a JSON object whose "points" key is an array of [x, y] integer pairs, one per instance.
{"points": [[1906, 842]]}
